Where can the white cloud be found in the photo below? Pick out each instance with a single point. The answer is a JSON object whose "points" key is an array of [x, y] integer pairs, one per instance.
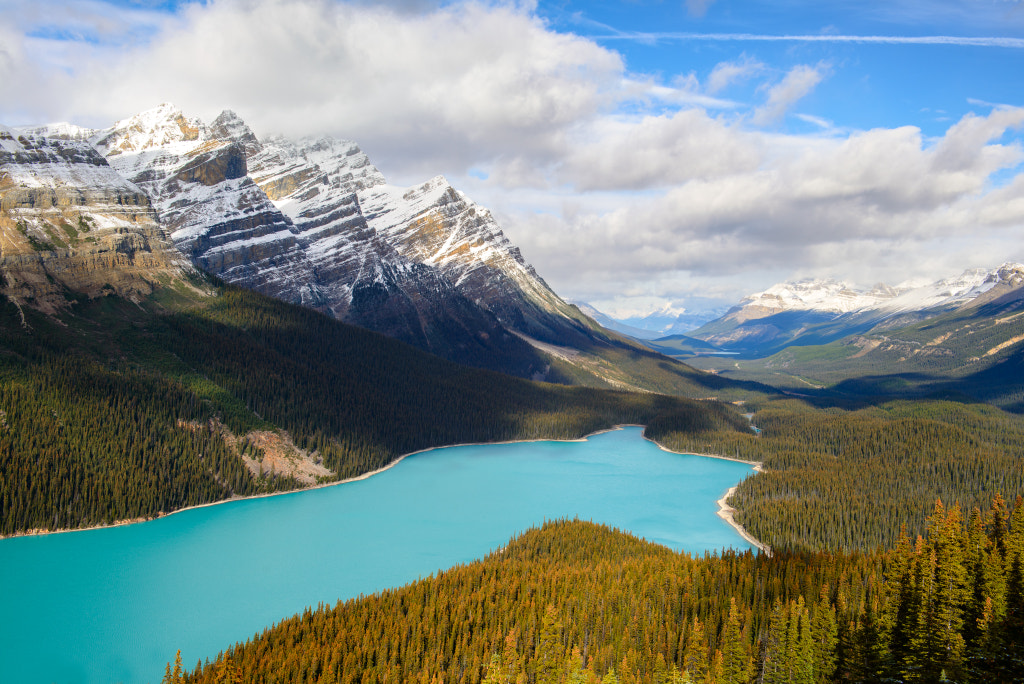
{"points": [[658, 151], [450, 85], [727, 73], [880, 205], [800, 81]]}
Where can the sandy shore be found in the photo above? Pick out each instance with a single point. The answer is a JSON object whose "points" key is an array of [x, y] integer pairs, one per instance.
{"points": [[725, 511]]}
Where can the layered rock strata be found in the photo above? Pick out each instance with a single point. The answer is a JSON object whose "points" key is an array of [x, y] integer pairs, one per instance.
{"points": [[70, 225]]}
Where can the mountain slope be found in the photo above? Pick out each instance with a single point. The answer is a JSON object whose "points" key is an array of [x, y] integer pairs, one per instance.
{"points": [[973, 351], [312, 222]]}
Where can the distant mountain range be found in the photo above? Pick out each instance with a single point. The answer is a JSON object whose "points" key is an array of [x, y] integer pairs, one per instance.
{"points": [[662, 323], [959, 337], [811, 312]]}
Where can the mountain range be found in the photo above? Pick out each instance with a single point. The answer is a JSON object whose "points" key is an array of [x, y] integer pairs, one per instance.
{"points": [[819, 311], [666, 321], [309, 222], [957, 338]]}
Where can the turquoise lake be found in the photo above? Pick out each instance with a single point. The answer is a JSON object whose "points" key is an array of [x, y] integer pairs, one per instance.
{"points": [[114, 604]]}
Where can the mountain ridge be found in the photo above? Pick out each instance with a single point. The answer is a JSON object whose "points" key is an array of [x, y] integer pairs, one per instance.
{"points": [[313, 222], [818, 311]]}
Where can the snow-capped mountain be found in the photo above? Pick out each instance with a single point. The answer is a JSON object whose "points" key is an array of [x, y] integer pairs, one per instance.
{"points": [[822, 310], [313, 222], [827, 295], [70, 222], [837, 297]]}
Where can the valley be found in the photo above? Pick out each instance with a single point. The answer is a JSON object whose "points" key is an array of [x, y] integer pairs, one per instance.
{"points": [[193, 314]]}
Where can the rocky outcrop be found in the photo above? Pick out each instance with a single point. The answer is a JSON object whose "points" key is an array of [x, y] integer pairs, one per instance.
{"points": [[71, 226]]}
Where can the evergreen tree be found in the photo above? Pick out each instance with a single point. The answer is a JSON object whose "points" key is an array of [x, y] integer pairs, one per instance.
{"points": [[696, 660], [825, 637], [735, 649], [549, 655]]}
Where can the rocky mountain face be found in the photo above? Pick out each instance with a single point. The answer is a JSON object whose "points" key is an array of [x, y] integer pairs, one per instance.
{"points": [[71, 225], [820, 311], [313, 222]]}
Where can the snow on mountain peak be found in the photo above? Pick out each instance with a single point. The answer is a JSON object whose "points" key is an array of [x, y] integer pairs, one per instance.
{"points": [[832, 296], [60, 131], [818, 294], [154, 128], [229, 126]]}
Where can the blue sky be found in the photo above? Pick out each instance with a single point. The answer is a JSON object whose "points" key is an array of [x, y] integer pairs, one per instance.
{"points": [[642, 153], [869, 84]]}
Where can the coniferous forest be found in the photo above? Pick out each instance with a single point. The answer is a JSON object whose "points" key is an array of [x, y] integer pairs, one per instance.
{"points": [[851, 478], [577, 602]]}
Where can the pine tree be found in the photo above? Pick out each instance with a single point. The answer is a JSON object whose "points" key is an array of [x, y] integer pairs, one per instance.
{"points": [[549, 654], [696, 660], [735, 649], [825, 635]]}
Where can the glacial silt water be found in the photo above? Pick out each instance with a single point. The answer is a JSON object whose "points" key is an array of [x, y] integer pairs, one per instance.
{"points": [[113, 605]]}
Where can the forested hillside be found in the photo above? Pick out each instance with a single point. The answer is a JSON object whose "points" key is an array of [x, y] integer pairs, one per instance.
{"points": [[576, 602], [851, 478], [116, 410]]}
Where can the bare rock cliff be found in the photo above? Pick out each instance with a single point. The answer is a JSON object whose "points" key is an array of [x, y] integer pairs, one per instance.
{"points": [[70, 224]]}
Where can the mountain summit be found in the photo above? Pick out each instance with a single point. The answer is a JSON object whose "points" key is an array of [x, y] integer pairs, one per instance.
{"points": [[314, 222]]}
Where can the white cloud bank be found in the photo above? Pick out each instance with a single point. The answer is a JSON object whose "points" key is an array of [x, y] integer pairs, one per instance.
{"points": [[614, 183]]}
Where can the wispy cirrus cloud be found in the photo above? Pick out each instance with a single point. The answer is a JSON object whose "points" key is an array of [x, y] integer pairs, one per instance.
{"points": [[967, 41]]}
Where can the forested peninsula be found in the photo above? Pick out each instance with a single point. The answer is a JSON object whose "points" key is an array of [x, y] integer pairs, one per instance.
{"points": [[578, 602]]}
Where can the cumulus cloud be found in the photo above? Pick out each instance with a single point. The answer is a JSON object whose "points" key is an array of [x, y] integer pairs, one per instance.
{"points": [[853, 208], [453, 85], [799, 82], [658, 151]]}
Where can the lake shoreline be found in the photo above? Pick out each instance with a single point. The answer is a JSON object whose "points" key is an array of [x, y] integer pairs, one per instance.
{"points": [[133, 521], [725, 511]]}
